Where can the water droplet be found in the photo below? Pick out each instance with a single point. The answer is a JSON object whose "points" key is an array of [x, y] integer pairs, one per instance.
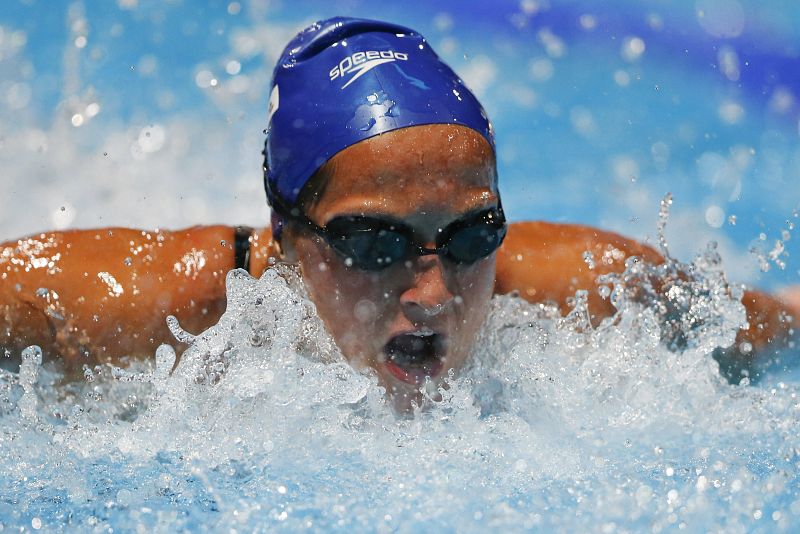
{"points": [[233, 67], [663, 216], [204, 79], [165, 361], [541, 69], [721, 18], [622, 78], [730, 112], [702, 483], [588, 22], [364, 310], [179, 333], [632, 48], [715, 216], [92, 109], [28, 374]]}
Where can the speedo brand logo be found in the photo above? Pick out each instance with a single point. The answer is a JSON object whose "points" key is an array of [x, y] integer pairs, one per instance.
{"points": [[360, 63]]}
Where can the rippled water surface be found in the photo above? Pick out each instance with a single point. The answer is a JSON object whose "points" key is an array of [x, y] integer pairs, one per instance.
{"points": [[262, 426]]}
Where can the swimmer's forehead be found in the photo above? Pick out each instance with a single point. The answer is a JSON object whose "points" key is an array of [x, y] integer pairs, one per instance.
{"points": [[416, 156], [431, 168], [445, 145]]}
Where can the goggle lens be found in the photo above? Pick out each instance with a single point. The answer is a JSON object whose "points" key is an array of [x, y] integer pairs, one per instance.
{"points": [[375, 244], [369, 249]]}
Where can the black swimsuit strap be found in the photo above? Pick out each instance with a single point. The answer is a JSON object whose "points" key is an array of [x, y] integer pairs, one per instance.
{"points": [[241, 247]]}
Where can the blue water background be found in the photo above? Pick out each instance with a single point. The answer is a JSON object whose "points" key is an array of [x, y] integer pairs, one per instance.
{"points": [[590, 128]]}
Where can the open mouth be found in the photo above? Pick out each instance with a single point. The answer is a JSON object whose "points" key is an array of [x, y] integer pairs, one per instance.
{"points": [[413, 356]]}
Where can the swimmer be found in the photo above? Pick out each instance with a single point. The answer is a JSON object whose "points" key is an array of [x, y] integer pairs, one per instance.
{"points": [[380, 168]]}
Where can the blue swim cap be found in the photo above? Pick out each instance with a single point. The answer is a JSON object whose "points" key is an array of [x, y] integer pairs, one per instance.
{"points": [[343, 80]]}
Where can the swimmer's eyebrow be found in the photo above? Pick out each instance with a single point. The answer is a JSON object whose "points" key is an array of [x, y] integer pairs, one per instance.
{"points": [[482, 199], [483, 204]]}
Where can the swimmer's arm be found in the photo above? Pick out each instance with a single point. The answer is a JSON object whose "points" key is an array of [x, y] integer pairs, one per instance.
{"points": [[544, 262], [95, 295]]}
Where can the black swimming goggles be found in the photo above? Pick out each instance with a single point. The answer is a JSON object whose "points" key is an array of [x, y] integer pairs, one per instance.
{"points": [[372, 244]]}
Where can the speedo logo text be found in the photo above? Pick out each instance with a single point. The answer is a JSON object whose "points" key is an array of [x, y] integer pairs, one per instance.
{"points": [[360, 63]]}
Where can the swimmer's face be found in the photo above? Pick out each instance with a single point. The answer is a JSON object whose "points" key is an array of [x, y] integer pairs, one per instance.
{"points": [[418, 317]]}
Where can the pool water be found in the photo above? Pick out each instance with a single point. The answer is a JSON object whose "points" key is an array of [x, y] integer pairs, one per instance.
{"points": [[555, 426], [149, 114]]}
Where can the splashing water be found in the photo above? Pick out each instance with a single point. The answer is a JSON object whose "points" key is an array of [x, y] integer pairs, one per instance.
{"points": [[555, 424]]}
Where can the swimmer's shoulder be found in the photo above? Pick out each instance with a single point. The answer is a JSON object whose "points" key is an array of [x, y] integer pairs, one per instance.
{"points": [[545, 261], [529, 240]]}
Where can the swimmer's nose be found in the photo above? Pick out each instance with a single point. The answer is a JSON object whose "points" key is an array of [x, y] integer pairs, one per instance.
{"points": [[429, 295]]}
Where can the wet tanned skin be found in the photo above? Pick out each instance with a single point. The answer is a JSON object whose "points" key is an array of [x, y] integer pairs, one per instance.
{"points": [[445, 170], [552, 268], [95, 295], [544, 263]]}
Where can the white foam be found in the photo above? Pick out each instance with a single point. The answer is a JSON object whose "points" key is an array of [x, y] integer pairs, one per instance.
{"points": [[554, 424]]}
